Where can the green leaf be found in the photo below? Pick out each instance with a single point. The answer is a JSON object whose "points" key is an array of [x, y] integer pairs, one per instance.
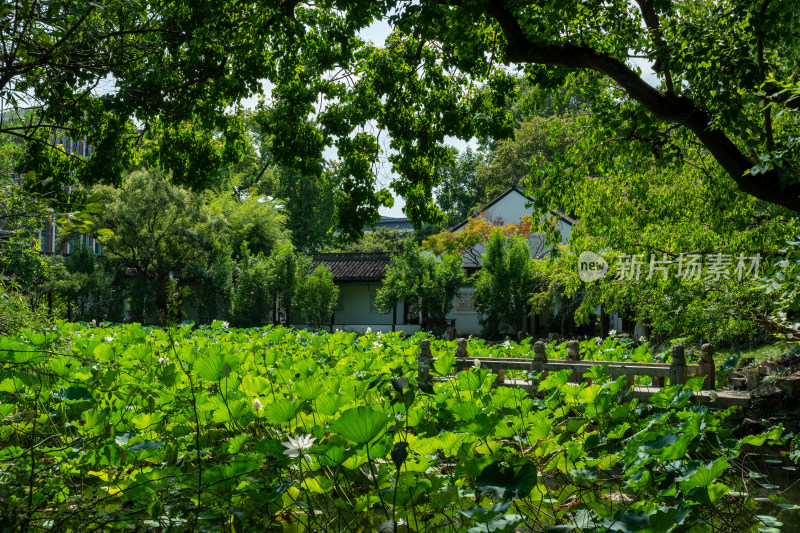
{"points": [[628, 522], [104, 352], [705, 475], [282, 411], [329, 404], [540, 425], [730, 363], [12, 385], [332, 455], [554, 380], [466, 410], [444, 363], [442, 499], [510, 483], [482, 425], [499, 524], [235, 443], [308, 389], [695, 384], [74, 394], [666, 519], [716, 491], [469, 380], [360, 424], [214, 367], [399, 454], [761, 438]]}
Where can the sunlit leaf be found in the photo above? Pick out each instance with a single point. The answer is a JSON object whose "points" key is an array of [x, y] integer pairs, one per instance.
{"points": [[360, 424]]}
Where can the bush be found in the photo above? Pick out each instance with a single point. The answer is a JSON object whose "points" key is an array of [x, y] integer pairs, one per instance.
{"points": [[251, 299], [317, 295], [16, 312]]}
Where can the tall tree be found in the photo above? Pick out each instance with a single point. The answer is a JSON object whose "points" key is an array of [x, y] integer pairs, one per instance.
{"points": [[460, 191], [158, 229], [536, 143], [316, 296], [505, 284], [647, 218], [428, 282], [720, 72]]}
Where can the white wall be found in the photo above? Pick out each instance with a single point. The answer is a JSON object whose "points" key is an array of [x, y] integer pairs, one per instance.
{"points": [[357, 305], [464, 313], [509, 210]]}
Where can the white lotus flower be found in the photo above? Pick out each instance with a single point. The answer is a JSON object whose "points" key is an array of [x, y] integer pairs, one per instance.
{"points": [[298, 445], [109, 339], [163, 361], [477, 364], [257, 405]]}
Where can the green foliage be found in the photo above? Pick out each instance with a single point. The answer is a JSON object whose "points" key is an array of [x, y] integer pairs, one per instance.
{"points": [[626, 205], [782, 284], [78, 287], [361, 424], [444, 70], [504, 285], [16, 311], [158, 228], [310, 204], [251, 299], [248, 219], [428, 282], [536, 143], [271, 427], [286, 271], [212, 284], [380, 240], [460, 192], [23, 216], [317, 295]]}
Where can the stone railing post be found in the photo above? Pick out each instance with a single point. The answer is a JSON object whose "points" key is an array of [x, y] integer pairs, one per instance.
{"points": [[573, 351], [539, 360], [461, 354], [425, 361], [677, 370], [707, 366], [573, 356], [539, 356]]}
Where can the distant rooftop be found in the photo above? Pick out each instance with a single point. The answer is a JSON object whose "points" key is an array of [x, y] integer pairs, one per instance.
{"points": [[353, 267], [397, 223]]}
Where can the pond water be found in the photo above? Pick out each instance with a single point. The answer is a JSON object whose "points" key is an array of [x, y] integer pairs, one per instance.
{"points": [[772, 476]]}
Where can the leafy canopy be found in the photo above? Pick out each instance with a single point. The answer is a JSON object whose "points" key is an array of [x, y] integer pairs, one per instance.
{"points": [[722, 81]]}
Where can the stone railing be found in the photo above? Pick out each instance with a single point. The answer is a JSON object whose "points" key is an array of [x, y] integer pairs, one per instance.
{"points": [[676, 372]]}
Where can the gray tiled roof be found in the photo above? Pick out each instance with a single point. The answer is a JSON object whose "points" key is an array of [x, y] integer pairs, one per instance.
{"points": [[395, 223], [353, 267]]}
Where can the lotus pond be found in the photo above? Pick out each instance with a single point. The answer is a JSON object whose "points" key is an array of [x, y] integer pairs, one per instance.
{"points": [[271, 429]]}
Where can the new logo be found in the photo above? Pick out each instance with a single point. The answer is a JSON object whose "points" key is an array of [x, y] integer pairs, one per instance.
{"points": [[591, 266]]}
